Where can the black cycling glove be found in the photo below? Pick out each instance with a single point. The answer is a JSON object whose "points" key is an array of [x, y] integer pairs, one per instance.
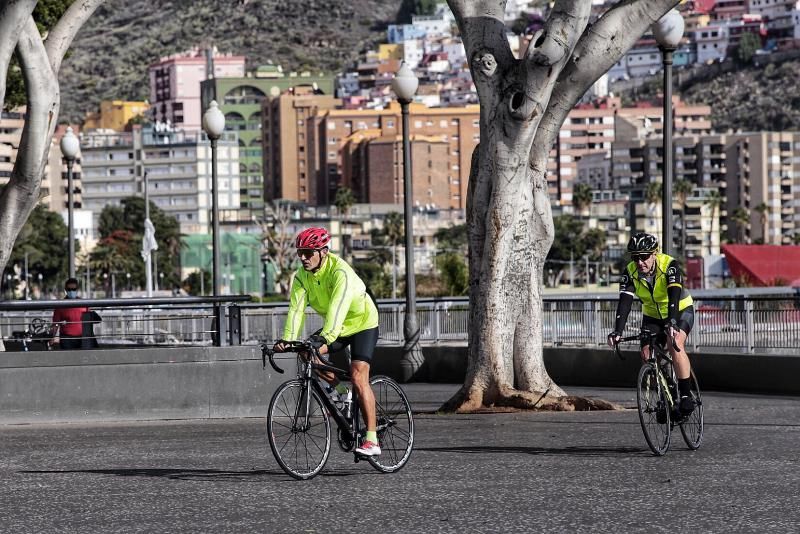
{"points": [[317, 341]]}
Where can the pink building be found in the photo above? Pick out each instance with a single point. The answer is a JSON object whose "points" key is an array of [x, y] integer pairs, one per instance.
{"points": [[175, 84]]}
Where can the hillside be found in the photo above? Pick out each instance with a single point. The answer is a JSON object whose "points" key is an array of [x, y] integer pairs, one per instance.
{"points": [[752, 98], [111, 53]]}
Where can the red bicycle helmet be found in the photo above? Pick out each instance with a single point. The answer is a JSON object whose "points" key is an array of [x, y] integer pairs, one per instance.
{"points": [[312, 238]]}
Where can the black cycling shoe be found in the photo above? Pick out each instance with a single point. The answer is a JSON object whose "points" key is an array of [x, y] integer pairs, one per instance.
{"points": [[686, 406]]}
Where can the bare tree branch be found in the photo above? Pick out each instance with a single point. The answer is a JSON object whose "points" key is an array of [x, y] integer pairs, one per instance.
{"points": [[12, 17], [601, 45], [61, 35]]}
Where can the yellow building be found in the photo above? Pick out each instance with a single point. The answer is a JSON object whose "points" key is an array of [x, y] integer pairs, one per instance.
{"points": [[114, 115], [390, 51]]}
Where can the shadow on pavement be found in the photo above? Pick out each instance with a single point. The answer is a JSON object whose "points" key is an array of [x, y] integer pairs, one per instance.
{"points": [[568, 451], [184, 474]]}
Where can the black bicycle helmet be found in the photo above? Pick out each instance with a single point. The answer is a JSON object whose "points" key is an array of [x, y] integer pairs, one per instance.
{"points": [[642, 242]]}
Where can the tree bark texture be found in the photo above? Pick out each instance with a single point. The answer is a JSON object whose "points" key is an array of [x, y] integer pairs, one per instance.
{"points": [[523, 104], [40, 61]]}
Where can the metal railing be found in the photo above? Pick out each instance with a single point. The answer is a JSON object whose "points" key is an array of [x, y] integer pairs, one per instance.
{"points": [[124, 322], [746, 324]]}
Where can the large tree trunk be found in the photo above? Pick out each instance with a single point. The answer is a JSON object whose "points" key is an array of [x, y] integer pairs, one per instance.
{"points": [[523, 104], [40, 62]]}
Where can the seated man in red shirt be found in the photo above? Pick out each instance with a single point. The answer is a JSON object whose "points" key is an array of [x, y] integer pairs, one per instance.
{"points": [[67, 325]]}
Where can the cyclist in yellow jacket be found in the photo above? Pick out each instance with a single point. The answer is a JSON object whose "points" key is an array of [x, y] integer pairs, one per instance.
{"points": [[656, 279], [331, 287]]}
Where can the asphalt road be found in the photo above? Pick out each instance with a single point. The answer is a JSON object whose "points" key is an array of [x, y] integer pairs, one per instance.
{"points": [[522, 472]]}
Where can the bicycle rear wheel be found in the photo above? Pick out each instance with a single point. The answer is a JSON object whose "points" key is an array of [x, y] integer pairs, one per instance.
{"points": [[653, 410], [395, 425], [298, 429], [692, 426]]}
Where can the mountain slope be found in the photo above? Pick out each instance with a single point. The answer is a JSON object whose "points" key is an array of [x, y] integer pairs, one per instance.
{"points": [[752, 98], [111, 53]]}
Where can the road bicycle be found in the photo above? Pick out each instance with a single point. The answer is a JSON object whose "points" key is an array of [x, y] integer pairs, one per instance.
{"points": [[657, 397], [298, 421]]}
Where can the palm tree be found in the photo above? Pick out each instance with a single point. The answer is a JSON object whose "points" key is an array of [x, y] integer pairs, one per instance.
{"points": [[682, 190], [343, 201], [581, 197], [763, 211], [653, 193], [742, 219], [394, 229], [714, 200]]}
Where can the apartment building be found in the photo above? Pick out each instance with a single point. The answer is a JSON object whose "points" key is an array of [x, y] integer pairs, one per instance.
{"points": [[592, 128], [11, 124], [638, 162], [54, 188], [241, 99], [289, 146], [458, 127], [764, 179], [176, 164], [175, 84]]}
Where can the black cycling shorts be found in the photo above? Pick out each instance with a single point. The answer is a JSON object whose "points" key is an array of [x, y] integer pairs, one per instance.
{"points": [[657, 326], [361, 344]]}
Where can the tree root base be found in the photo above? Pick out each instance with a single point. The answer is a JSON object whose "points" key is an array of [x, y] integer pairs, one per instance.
{"points": [[512, 400]]}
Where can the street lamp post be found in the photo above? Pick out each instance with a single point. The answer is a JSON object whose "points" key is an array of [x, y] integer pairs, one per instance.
{"points": [[405, 85], [69, 148], [668, 31], [214, 125]]}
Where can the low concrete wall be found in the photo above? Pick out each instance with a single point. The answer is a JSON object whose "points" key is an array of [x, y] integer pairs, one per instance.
{"points": [[106, 385], [191, 383], [600, 367]]}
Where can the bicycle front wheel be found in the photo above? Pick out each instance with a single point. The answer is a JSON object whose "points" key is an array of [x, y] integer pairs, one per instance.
{"points": [[395, 425], [692, 426], [653, 410], [298, 429]]}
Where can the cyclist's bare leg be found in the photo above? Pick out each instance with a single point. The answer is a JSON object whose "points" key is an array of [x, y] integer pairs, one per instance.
{"points": [[680, 359], [645, 353], [327, 376], [359, 372]]}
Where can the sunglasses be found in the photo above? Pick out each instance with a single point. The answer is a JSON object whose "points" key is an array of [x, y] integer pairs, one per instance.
{"points": [[640, 257], [71, 289], [305, 252]]}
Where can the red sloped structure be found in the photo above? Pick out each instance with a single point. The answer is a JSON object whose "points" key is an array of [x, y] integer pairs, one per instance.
{"points": [[764, 265]]}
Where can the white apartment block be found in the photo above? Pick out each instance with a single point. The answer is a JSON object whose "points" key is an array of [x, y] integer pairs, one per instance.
{"points": [[796, 20], [712, 43], [777, 13], [413, 52], [177, 165], [435, 26]]}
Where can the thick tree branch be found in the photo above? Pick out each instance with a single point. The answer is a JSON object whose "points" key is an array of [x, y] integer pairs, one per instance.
{"points": [[601, 45], [61, 35], [546, 56], [41, 86], [13, 15], [483, 32]]}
